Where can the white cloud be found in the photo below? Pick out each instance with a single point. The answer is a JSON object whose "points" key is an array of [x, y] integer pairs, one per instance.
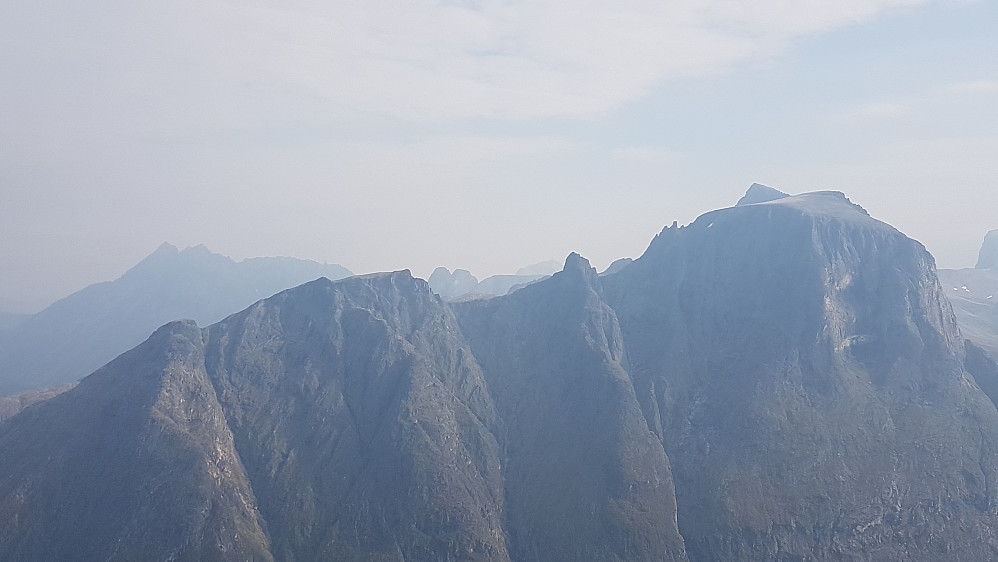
{"points": [[222, 63]]}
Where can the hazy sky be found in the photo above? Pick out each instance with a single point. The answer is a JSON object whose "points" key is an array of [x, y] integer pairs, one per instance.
{"points": [[479, 134]]}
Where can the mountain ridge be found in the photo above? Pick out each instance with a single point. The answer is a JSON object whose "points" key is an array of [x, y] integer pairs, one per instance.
{"points": [[79, 333], [777, 380]]}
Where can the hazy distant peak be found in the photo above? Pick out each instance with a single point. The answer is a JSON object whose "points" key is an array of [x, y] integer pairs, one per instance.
{"points": [[199, 249], [758, 193], [617, 265], [988, 256], [576, 265], [541, 268], [166, 248]]}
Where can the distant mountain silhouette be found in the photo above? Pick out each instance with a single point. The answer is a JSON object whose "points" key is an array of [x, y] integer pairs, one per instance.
{"points": [[974, 295], [462, 283], [81, 332], [988, 256], [782, 380]]}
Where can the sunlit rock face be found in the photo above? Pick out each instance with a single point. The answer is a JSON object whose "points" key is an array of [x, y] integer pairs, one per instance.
{"points": [[806, 376], [779, 380]]}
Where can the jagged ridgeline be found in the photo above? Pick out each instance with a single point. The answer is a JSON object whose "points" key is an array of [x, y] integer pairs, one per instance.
{"points": [[780, 380]]}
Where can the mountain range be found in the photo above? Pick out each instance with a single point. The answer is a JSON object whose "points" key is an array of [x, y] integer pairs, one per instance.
{"points": [[784, 379], [76, 335]]}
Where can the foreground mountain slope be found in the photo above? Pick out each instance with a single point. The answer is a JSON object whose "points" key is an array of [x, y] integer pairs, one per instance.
{"points": [[81, 332], [364, 423], [135, 463], [805, 374], [585, 478], [781, 380]]}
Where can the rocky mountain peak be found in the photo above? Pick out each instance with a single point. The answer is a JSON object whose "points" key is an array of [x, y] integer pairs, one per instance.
{"points": [[758, 193], [988, 256]]}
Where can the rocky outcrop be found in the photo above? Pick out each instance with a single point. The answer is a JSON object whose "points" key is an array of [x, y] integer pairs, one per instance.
{"points": [[780, 380], [585, 478], [364, 423], [12, 405], [802, 368], [135, 463]]}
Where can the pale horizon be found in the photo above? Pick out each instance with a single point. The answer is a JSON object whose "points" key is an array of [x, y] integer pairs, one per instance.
{"points": [[485, 136]]}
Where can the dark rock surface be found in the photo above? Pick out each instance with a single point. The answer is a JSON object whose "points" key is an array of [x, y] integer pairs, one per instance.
{"points": [[782, 380], [12, 405], [585, 478], [85, 330]]}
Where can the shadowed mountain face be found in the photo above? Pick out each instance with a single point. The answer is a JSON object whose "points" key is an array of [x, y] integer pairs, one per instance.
{"points": [[585, 478], [81, 332], [780, 380]]}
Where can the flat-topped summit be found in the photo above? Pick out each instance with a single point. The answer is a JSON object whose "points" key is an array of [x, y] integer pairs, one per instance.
{"points": [[758, 193]]}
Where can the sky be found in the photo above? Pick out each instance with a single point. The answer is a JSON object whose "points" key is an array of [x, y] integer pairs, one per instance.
{"points": [[480, 134]]}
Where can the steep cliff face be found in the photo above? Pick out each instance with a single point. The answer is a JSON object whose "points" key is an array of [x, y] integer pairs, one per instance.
{"points": [[135, 463], [805, 373], [585, 478], [781, 380], [364, 423]]}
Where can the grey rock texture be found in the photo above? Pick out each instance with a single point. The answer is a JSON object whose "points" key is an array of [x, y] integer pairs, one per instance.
{"points": [[85, 330], [585, 478], [781, 380], [806, 376], [12, 405], [135, 463], [364, 423]]}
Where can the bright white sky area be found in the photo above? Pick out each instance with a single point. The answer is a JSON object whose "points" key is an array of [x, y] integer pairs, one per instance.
{"points": [[485, 135]]}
